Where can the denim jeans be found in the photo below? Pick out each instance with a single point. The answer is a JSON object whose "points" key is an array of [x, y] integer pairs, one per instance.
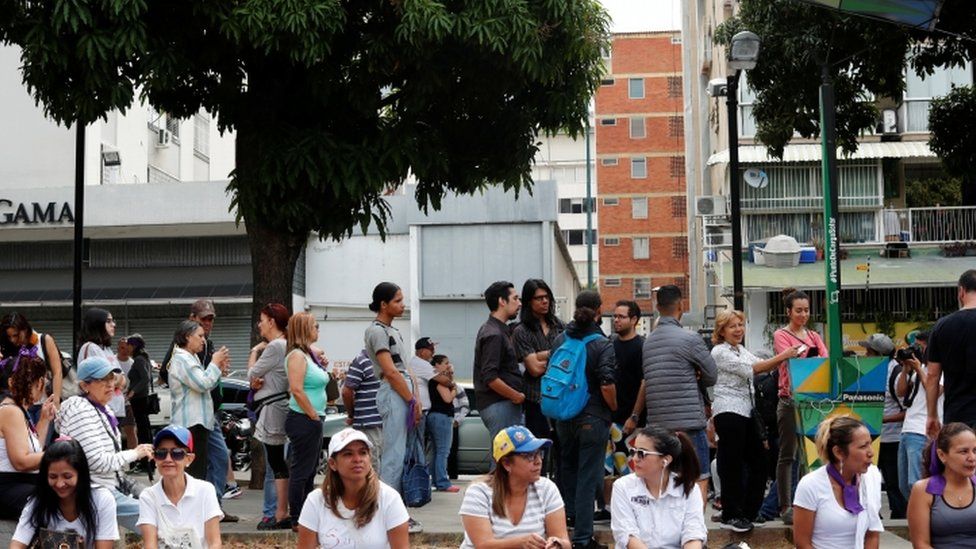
{"points": [[393, 410], [270, 492], [910, 460], [498, 416], [305, 437], [699, 439], [583, 446], [218, 458], [127, 510], [770, 505], [440, 429]]}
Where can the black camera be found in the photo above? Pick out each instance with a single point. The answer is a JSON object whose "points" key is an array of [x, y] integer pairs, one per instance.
{"points": [[909, 352]]}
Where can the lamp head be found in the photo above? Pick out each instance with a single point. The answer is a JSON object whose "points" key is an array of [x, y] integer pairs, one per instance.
{"points": [[744, 51]]}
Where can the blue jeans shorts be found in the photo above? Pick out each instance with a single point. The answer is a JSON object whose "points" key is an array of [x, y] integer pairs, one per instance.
{"points": [[700, 441]]}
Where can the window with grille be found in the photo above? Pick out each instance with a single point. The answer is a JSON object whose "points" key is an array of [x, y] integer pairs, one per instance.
{"points": [[611, 282], [635, 88], [608, 121], [642, 247], [611, 241], [608, 161], [642, 288], [674, 86], [679, 247], [173, 125], [676, 127], [677, 166], [638, 207], [638, 168], [682, 284], [679, 207], [611, 201], [638, 129], [201, 135]]}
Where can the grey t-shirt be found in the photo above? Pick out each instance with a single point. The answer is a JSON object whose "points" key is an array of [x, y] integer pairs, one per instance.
{"points": [[380, 337]]}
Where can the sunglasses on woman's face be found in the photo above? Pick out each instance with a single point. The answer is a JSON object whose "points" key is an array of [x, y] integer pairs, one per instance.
{"points": [[178, 454], [642, 454]]}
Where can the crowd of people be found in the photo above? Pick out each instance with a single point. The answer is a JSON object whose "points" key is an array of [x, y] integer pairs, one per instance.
{"points": [[634, 447]]}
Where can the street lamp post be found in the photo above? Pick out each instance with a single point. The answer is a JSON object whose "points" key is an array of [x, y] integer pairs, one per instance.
{"points": [[743, 53]]}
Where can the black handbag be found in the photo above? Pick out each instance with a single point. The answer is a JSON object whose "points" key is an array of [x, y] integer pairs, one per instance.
{"points": [[50, 539], [152, 399]]}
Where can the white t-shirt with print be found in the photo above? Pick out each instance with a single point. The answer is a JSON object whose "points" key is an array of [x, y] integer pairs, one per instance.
{"points": [[341, 533], [106, 529], [542, 499], [833, 526], [195, 508]]}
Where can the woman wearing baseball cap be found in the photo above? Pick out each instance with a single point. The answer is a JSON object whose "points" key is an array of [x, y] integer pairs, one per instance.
{"points": [[515, 502], [353, 508], [179, 510]]}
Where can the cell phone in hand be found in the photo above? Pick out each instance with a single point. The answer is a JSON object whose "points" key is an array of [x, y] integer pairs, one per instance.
{"points": [[801, 350]]}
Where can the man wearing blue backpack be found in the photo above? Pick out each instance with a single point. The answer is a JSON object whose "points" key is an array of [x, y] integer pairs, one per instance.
{"points": [[578, 391]]}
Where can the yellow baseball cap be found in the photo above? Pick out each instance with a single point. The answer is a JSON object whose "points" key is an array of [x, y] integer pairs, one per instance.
{"points": [[516, 439]]}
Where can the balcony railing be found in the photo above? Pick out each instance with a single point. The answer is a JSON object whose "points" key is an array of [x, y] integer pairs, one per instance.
{"points": [[933, 225]]}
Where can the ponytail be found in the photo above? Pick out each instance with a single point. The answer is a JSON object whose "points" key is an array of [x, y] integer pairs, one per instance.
{"points": [[588, 304], [678, 447]]}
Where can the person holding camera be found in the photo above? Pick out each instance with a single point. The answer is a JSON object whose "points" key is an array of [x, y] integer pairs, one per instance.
{"points": [[741, 435], [910, 387]]}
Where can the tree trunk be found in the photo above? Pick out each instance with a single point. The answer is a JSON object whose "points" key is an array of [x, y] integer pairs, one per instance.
{"points": [[274, 254]]}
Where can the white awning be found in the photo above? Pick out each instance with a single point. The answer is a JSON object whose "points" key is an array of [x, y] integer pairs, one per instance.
{"points": [[810, 152]]}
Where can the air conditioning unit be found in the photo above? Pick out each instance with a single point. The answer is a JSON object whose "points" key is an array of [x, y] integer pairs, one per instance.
{"points": [[711, 205], [716, 237], [163, 138]]}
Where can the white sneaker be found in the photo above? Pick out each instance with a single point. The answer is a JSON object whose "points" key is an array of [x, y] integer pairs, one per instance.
{"points": [[233, 491], [414, 527]]}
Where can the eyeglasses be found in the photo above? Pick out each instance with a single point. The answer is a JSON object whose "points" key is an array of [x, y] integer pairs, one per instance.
{"points": [[642, 454], [530, 456], [540, 298], [178, 454]]}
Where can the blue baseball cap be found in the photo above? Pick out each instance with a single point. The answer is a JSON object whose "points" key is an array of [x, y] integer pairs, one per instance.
{"points": [[516, 439], [181, 435], [96, 367]]}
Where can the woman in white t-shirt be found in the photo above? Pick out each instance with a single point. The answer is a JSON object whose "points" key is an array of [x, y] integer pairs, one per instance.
{"points": [[353, 508], [179, 510], [65, 499], [659, 505], [514, 503], [837, 506]]}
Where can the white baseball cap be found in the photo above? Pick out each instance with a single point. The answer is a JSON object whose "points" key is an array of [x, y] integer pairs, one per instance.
{"points": [[342, 439]]}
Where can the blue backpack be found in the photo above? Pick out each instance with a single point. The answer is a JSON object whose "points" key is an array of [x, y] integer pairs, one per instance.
{"points": [[564, 388]]}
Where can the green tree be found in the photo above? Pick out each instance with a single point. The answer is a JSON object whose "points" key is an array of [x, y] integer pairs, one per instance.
{"points": [[334, 102], [951, 121], [925, 193], [863, 57]]}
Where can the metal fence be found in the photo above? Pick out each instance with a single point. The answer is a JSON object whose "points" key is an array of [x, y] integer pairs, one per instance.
{"points": [[935, 225]]}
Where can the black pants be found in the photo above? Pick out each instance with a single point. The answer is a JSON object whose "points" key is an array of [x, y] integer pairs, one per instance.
{"points": [[16, 488], [741, 466], [276, 460], [140, 409], [198, 468], [888, 463], [305, 436]]}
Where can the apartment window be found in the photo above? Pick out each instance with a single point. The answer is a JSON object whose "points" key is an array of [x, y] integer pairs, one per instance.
{"points": [[674, 86], [605, 52], [607, 82], [679, 247], [676, 39], [173, 125], [611, 282], [637, 128], [201, 135], [635, 88], [611, 241], [747, 123], [676, 126], [573, 205], [642, 288], [676, 166], [611, 201], [608, 161], [679, 206], [577, 237], [919, 93], [638, 168], [638, 207], [642, 247], [608, 121]]}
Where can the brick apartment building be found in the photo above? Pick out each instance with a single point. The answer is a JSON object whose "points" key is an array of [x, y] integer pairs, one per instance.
{"points": [[642, 199]]}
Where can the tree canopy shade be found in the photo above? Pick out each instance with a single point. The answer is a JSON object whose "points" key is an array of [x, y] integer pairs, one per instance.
{"points": [[951, 120], [864, 59], [334, 102]]}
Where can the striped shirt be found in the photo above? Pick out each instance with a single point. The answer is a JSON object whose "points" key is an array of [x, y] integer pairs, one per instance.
{"points": [[361, 379], [542, 499], [190, 384], [79, 420]]}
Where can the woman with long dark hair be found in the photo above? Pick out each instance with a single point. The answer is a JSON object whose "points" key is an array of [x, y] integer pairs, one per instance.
{"points": [[65, 499], [140, 387], [21, 448], [16, 333], [514, 504], [353, 508], [659, 504], [533, 340], [810, 343], [266, 368], [941, 514]]}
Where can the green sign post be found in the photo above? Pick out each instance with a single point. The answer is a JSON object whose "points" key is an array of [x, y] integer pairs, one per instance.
{"points": [[828, 140]]}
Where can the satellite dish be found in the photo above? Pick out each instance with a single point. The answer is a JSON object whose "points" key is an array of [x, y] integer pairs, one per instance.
{"points": [[756, 178]]}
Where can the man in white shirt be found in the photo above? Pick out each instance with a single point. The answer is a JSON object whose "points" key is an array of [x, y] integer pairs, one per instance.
{"points": [[422, 372]]}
